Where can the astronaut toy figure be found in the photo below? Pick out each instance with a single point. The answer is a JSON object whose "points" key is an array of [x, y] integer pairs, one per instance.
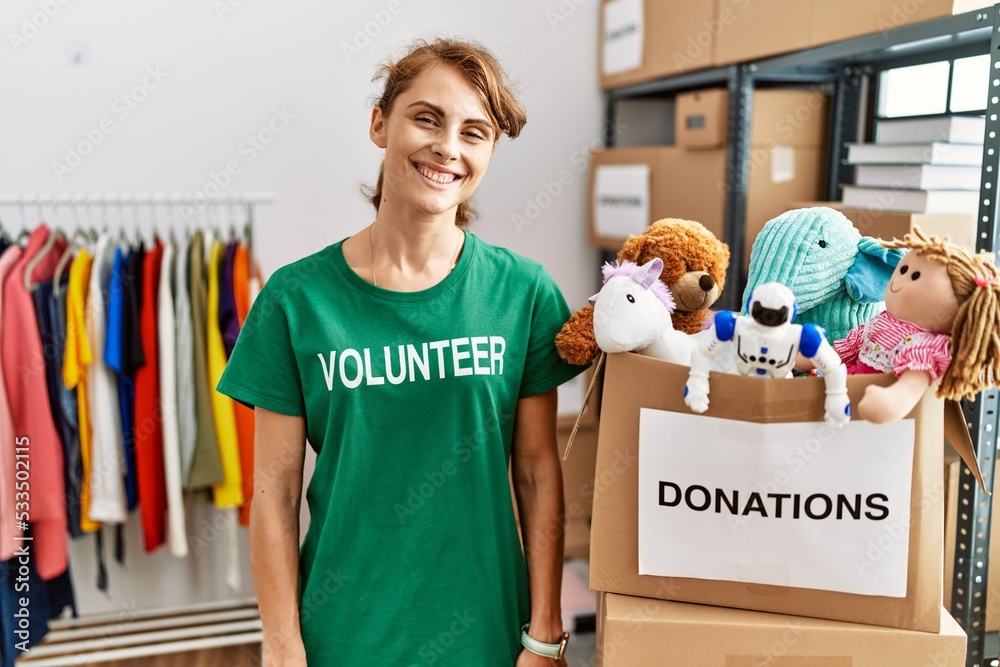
{"points": [[766, 343]]}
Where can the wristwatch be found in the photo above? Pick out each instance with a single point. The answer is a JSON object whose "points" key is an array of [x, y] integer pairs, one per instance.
{"points": [[554, 651]]}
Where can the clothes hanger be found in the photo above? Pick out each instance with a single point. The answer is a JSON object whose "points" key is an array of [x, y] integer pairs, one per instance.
{"points": [[72, 248], [50, 242], [25, 232]]}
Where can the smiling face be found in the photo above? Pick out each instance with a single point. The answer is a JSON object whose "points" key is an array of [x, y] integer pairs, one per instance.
{"points": [[438, 141], [920, 292]]}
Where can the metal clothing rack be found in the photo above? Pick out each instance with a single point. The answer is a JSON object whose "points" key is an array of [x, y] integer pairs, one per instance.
{"points": [[852, 67], [196, 626], [184, 201]]}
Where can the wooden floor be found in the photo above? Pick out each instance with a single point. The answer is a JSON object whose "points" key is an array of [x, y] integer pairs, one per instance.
{"points": [[220, 657]]}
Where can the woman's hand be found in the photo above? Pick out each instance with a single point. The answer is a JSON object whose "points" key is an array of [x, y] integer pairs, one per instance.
{"points": [[529, 659], [287, 658]]}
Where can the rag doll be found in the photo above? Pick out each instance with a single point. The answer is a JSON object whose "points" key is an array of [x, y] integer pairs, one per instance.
{"points": [[941, 323]]}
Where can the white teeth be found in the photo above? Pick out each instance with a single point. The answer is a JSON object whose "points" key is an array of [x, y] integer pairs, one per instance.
{"points": [[436, 176]]}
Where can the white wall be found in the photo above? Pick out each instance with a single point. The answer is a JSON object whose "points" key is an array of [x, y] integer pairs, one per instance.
{"points": [[224, 68]]}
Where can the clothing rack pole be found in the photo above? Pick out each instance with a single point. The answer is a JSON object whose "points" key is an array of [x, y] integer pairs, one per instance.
{"points": [[62, 199]]}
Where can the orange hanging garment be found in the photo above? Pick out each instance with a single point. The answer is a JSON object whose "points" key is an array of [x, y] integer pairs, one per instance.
{"points": [[244, 415]]}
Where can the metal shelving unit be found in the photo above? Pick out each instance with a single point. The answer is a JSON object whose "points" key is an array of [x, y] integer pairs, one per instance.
{"points": [[851, 67]]}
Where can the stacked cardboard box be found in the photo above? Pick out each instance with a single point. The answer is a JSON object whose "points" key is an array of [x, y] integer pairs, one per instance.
{"points": [[688, 180], [802, 626], [960, 227], [578, 467], [648, 39]]}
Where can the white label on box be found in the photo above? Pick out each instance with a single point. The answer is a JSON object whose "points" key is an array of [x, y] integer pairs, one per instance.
{"points": [[794, 504], [623, 35], [782, 164], [621, 199]]}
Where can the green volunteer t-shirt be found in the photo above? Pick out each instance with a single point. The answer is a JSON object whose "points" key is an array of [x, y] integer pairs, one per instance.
{"points": [[412, 555]]}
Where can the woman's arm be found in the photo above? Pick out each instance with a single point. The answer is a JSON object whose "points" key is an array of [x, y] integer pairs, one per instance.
{"points": [[279, 450], [538, 487]]}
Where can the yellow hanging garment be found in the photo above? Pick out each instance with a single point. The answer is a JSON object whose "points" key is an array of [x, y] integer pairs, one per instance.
{"points": [[77, 357], [230, 492]]}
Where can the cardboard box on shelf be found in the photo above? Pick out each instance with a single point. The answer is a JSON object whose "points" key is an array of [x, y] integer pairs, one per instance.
{"points": [[642, 40], [679, 184], [571, 398], [640, 631], [691, 185], [835, 21], [779, 117], [578, 489], [952, 467], [634, 382], [892, 224], [751, 33]]}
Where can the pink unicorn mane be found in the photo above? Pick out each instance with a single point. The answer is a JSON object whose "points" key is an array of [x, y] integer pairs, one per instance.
{"points": [[627, 268]]}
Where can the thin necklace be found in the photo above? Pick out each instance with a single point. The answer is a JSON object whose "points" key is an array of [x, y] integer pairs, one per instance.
{"points": [[371, 255]]}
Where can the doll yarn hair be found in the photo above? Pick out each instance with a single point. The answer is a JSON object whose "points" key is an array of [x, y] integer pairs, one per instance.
{"points": [[975, 334]]}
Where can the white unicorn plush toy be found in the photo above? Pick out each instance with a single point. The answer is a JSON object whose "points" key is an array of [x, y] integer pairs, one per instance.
{"points": [[632, 313]]}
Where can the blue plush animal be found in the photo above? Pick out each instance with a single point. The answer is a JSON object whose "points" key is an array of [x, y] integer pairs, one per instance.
{"points": [[838, 276]]}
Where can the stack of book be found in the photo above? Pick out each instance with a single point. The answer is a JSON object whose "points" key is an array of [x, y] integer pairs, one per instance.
{"points": [[919, 165]]}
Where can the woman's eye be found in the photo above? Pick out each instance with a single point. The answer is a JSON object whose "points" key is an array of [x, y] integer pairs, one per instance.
{"points": [[426, 119], [475, 135]]}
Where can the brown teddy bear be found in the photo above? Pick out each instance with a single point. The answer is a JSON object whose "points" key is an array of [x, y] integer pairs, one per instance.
{"points": [[694, 268]]}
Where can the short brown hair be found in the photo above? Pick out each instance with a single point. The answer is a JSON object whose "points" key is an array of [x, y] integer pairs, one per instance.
{"points": [[483, 72]]}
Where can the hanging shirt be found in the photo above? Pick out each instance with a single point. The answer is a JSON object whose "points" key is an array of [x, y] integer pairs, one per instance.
{"points": [[52, 328], [229, 324], [77, 358], [397, 388], [107, 484], [46, 601], [132, 359], [148, 420], [230, 492], [244, 414], [8, 481], [186, 421], [166, 345], [241, 282], [206, 466], [114, 357], [24, 375]]}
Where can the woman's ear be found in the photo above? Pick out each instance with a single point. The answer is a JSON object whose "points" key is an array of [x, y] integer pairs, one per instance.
{"points": [[377, 129]]}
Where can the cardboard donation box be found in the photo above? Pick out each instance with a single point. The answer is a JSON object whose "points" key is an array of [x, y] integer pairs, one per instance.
{"points": [[647, 39], [758, 505], [650, 633]]}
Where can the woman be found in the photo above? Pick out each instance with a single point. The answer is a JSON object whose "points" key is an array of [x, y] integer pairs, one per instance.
{"points": [[416, 359]]}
